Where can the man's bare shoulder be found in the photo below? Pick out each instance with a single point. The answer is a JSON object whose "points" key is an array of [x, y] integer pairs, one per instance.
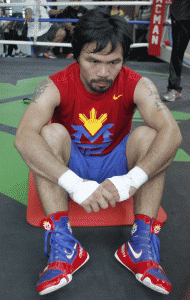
{"points": [[147, 93], [46, 89]]}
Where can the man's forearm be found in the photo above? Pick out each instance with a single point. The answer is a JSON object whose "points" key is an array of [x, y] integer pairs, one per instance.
{"points": [[6, 25], [54, 12], [38, 156], [28, 12], [28, 15], [161, 152]]}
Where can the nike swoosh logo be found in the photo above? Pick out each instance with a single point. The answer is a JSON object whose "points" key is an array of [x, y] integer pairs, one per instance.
{"points": [[116, 97], [69, 256], [135, 254]]}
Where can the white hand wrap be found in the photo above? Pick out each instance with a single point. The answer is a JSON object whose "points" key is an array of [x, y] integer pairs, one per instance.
{"points": [[122, 184], [72, 183], [136, 177]]}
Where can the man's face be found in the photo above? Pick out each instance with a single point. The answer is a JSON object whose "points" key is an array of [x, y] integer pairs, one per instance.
{"points": [[98, 70]]}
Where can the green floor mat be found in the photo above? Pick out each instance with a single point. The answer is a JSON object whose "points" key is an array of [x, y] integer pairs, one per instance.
{"points": [[14, 175], [11, 112], [23, 87]]}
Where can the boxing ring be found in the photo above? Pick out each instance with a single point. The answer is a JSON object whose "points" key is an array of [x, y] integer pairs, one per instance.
{"points": [[22, 244], [166, 35]]}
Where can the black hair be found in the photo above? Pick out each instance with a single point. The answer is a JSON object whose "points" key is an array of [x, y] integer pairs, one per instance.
{"points": [[97, 25], [111, 6]]}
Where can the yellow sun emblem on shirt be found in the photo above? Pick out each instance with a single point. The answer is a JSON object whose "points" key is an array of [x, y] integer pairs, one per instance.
{"points": [[93, 124]]}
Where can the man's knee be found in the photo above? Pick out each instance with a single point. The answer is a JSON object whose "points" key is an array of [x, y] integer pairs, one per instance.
{"points": [[61, 33], [55, 134], [139, 143], [58, 139], [143, 136]]}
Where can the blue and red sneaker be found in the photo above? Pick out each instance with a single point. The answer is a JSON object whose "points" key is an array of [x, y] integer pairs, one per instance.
{"points": [[141, 254], [66, 256]]}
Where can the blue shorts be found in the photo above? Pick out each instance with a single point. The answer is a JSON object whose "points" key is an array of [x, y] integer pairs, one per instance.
{"points": [[99, 168]]}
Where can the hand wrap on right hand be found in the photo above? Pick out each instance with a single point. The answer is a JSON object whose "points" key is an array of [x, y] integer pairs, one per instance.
{"points": [[75, 185], [136, 177]]}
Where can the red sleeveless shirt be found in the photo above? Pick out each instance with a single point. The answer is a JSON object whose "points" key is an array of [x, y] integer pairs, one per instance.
{"points": [[97, 123]]}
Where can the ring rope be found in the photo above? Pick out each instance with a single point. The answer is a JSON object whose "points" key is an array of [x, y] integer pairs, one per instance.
{"points": [[131, 3], [71, 20]]}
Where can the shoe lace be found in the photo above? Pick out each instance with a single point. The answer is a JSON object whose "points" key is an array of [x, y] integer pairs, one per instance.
{"points": [[172, 93], [152, 242], [155, 244], [61, 242]]}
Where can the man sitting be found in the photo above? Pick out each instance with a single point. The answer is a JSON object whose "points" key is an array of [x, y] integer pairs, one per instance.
{"points": [[89, 151], [45, 30]]}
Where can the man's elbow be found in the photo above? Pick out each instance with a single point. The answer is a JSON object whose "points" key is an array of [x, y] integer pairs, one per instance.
{"points": [[180, 139], [18, 143], [20, 140], [177, 137]]}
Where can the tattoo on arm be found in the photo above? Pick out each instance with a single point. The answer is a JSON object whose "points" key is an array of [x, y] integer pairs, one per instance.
{"points": [[153, 92], [40, 89]]}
